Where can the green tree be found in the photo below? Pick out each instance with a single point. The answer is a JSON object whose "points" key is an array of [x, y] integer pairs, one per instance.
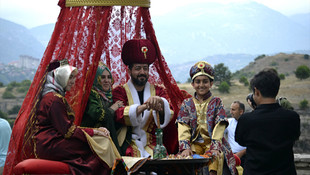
{"points": [[7, 95], [282, 76], [9, 88], [306, 57], [3, 115], [224, 87], [14, 110], [222, 73], [1, 84], [244, 80], [302, 72], [189, 80], [303, 104], [14, 84], [260, 57], [22, 89], [25, 83]]}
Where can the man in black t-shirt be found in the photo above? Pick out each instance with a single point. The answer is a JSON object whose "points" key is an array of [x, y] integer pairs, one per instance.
{"points": [[270, 131]]}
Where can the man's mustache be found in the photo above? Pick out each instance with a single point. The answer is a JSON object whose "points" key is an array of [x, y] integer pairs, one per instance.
{"points": [[142, 75]]}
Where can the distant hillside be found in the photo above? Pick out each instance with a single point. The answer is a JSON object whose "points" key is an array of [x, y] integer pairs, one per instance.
{"points": [[10, 73], [43, 33], [284, 63], [234, 62], [202, 29], [16, 40]]}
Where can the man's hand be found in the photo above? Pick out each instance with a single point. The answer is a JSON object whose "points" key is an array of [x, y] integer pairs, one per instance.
{"points": [[102, 132], [141, 108], [241, 153], [155, 103], [186, 153]]}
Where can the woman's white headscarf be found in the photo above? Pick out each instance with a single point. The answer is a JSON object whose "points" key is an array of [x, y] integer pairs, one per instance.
{"points": [[57, 80]]}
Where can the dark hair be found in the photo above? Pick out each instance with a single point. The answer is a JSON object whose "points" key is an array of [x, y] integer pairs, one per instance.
{"points": [[210, 79], [130, 66], [267, 82], [241, 105]]}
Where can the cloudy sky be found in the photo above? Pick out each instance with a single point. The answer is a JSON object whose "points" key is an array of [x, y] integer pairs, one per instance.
{"points": [[32, 13]]}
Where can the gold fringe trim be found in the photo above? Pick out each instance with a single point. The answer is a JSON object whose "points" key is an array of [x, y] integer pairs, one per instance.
{"points": [[70, 131], [140, 3]]}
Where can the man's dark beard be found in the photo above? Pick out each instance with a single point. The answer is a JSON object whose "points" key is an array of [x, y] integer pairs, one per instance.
{"points": [[138, 82]]}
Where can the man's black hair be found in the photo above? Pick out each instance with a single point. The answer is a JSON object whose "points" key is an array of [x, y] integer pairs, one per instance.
{"points": [[267, 82]]}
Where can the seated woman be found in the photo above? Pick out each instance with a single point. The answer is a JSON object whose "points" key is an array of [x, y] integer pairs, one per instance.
{"points": [[100, 109], [57, 137]]}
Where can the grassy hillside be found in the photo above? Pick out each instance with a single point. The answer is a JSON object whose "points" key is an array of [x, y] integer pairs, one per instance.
{"points": [[284, 63], [292, 88]]}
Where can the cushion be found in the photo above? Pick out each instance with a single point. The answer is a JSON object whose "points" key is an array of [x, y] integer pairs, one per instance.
{"points": [[41, 166]]}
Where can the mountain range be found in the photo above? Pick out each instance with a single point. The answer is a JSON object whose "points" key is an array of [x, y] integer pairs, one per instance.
{"points": [[234, 34]]}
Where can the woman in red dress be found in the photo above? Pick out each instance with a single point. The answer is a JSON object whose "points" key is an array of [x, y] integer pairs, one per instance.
{"points": [[57, 137]]}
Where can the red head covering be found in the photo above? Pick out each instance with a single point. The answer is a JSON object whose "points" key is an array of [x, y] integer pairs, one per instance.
{"points": [[140, 51]]}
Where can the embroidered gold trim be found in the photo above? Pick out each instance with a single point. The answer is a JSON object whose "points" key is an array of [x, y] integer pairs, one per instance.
{"points": [[141, 3], [152, 89], [130, 102], [70, 131], [135, 150], [128, 93], [201, 110], [58, 95], [149, 149], [102, 115], [150, 123], [126, 116]]}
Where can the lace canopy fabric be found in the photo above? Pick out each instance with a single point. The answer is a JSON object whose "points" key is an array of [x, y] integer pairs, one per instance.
{"points": [[85, 35]]}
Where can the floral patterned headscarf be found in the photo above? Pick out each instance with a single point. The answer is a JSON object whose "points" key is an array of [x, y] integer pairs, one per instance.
{"points": [[106, 95]]}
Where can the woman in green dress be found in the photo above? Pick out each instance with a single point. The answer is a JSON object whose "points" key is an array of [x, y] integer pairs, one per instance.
{"points": [[100, 108]]}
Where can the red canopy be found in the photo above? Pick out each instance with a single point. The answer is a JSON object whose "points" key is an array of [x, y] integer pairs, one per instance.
{"points": [[85, 35]]}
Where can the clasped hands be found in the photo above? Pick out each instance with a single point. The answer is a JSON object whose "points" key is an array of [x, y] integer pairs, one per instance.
{"points": [[155, 103], [102, 131]]}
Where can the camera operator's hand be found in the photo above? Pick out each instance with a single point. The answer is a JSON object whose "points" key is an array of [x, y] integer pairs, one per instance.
{"points": [[251, 101]]}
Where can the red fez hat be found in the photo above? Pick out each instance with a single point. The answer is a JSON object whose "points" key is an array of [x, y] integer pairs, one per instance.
{"points": [[140, 51]]}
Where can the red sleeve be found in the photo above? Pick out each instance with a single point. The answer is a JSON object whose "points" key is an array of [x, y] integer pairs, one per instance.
{"points": [[119, 93], [89, 131]]}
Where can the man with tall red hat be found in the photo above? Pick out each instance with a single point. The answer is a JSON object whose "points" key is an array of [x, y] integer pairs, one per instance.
{"points": [[142, 101]]}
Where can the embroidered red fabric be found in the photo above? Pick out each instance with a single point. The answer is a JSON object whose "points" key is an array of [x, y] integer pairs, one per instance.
{"points": [[86, 35]]}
